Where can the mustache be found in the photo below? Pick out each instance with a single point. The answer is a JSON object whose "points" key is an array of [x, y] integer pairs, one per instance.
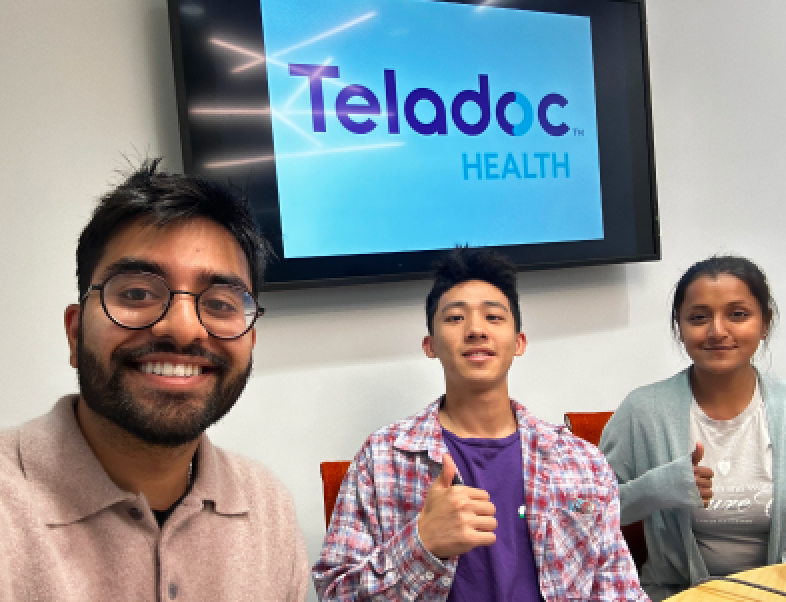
{"points": [[193, 350]]}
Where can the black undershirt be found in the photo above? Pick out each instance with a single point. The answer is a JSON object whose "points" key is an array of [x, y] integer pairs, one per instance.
{"points": [[163, 515]]}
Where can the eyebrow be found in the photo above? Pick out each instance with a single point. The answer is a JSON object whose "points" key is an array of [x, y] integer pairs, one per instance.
{"points": [[738, 302], [464, 304], [205, 277]]}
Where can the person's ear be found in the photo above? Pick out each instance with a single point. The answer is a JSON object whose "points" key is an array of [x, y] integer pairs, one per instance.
{"points": [[428, 346], [521, 343], [72, 319], [765, 330]]}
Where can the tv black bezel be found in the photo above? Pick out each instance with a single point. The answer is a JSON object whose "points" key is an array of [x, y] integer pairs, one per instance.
{"points": [[198, 142]]}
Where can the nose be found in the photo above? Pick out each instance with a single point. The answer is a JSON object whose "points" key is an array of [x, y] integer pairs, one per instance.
{"points": [[180, 322], [717, 327], [476, 327]]}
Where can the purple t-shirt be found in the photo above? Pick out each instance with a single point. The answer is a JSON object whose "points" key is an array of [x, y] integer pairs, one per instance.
{"points": [[505, 571]]}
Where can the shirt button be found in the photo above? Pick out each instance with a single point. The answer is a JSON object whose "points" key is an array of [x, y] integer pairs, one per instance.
{"points": [[172, 591], [429, 575], [136, 513], [445, 581]]}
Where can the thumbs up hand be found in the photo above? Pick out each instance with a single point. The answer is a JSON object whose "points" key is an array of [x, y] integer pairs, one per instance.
{"points": [[455, 518], [702, 474]]}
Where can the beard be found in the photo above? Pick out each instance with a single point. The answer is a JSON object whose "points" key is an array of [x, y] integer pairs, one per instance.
{"points": [[166, 418]]}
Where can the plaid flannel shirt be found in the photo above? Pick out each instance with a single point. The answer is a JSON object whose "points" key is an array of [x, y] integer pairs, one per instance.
{"points": [[372, 550]]}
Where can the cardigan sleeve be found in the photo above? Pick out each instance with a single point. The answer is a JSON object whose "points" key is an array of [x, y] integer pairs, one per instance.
{"points": [[645, 486]]}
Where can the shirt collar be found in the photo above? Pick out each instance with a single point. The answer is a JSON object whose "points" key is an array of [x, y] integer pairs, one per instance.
{"points": [[423, 431], [535, 434], [216, 482], [60, 465]]}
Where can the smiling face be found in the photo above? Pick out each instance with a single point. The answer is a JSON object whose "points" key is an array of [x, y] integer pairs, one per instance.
{"points": [[474, 337], [721, 324], [164, 384]]}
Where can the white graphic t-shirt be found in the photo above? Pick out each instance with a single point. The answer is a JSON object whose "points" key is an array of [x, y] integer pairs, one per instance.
{"points": [[733, 531]]}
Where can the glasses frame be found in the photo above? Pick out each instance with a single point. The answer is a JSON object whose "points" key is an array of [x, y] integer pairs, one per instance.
{"points": [[260, 311]]}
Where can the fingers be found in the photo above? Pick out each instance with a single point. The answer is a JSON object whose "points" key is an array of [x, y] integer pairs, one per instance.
{"points": [[457, 518], [480, 508], [706, 495], [703, 471], [483, 524], [703, 477], [481, 538], [448, 473], [474, 494], [697, 454]]}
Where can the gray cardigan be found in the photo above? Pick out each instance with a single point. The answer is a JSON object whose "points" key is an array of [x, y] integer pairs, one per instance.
{"points": [[647, 442]]}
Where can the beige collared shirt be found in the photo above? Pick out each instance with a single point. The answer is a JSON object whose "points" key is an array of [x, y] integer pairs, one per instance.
{"points": [[68, 533]]}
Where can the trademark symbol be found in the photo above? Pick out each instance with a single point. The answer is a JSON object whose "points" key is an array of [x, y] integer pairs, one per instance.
{"points": [[578, 132]]}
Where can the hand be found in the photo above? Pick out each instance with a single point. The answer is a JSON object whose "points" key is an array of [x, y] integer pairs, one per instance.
{"points": [[702, 474], [455, 518]]}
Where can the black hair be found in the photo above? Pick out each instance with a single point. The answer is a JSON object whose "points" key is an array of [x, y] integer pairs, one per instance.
{"points": [[160, 198], [463, 264], [739, 267]]}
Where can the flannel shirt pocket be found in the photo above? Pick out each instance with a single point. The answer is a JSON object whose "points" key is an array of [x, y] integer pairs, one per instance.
{"points": [[573, 544]]}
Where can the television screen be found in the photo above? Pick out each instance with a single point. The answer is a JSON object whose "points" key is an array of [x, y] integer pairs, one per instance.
{"points": [[373, 135]]}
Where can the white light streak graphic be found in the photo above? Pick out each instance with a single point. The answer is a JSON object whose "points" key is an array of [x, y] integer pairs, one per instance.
{"points": [[230, 112], [259, 59], [311, 153], [238, 49], [312, 40], [282, 114], [484, 5], [328, 33], [298, 129], [304, 86]]}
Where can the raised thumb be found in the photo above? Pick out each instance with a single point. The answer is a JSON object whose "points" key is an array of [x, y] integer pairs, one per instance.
{"points": [[448, 471], [697, 454]]}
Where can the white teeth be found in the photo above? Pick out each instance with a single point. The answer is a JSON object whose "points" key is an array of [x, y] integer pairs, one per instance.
{"points": [[167, 369]]}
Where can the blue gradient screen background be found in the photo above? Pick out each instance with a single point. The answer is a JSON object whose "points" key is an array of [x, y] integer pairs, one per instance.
{"points": [[342, 193]]}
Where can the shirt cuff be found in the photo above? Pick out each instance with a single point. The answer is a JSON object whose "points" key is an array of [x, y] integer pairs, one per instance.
{"points": [[419, 569]]}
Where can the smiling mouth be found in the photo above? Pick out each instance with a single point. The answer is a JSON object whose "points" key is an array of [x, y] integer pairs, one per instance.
{"points": [[478, 354], [170, 369]]}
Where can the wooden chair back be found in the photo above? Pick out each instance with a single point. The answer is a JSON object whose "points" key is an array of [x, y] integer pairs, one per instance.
{"points": [[332, 476]]}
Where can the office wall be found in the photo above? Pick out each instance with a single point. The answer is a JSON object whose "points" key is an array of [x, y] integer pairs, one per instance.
{"points": [[87, 85]]}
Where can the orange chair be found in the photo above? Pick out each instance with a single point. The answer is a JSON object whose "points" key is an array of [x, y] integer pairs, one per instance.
{"points": [[332, 476], [589, 426]]}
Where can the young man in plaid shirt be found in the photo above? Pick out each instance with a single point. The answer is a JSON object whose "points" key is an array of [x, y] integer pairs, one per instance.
{"points": [[474, 499]]}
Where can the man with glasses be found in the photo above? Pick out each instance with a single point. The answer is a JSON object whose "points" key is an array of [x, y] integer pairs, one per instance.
{"points": [[117, 493]]}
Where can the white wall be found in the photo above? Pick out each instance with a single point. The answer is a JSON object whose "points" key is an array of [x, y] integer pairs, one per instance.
{"points": [[86, 82]]}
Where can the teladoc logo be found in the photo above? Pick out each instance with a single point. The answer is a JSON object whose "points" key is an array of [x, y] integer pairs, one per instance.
{"points": [[438, 125]]}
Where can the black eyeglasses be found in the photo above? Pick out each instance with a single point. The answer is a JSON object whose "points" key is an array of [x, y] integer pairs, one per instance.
{"points": [[138, 300]]}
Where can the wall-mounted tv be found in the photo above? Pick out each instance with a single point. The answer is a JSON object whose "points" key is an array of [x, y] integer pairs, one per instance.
{"points": [[374, 135]]}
